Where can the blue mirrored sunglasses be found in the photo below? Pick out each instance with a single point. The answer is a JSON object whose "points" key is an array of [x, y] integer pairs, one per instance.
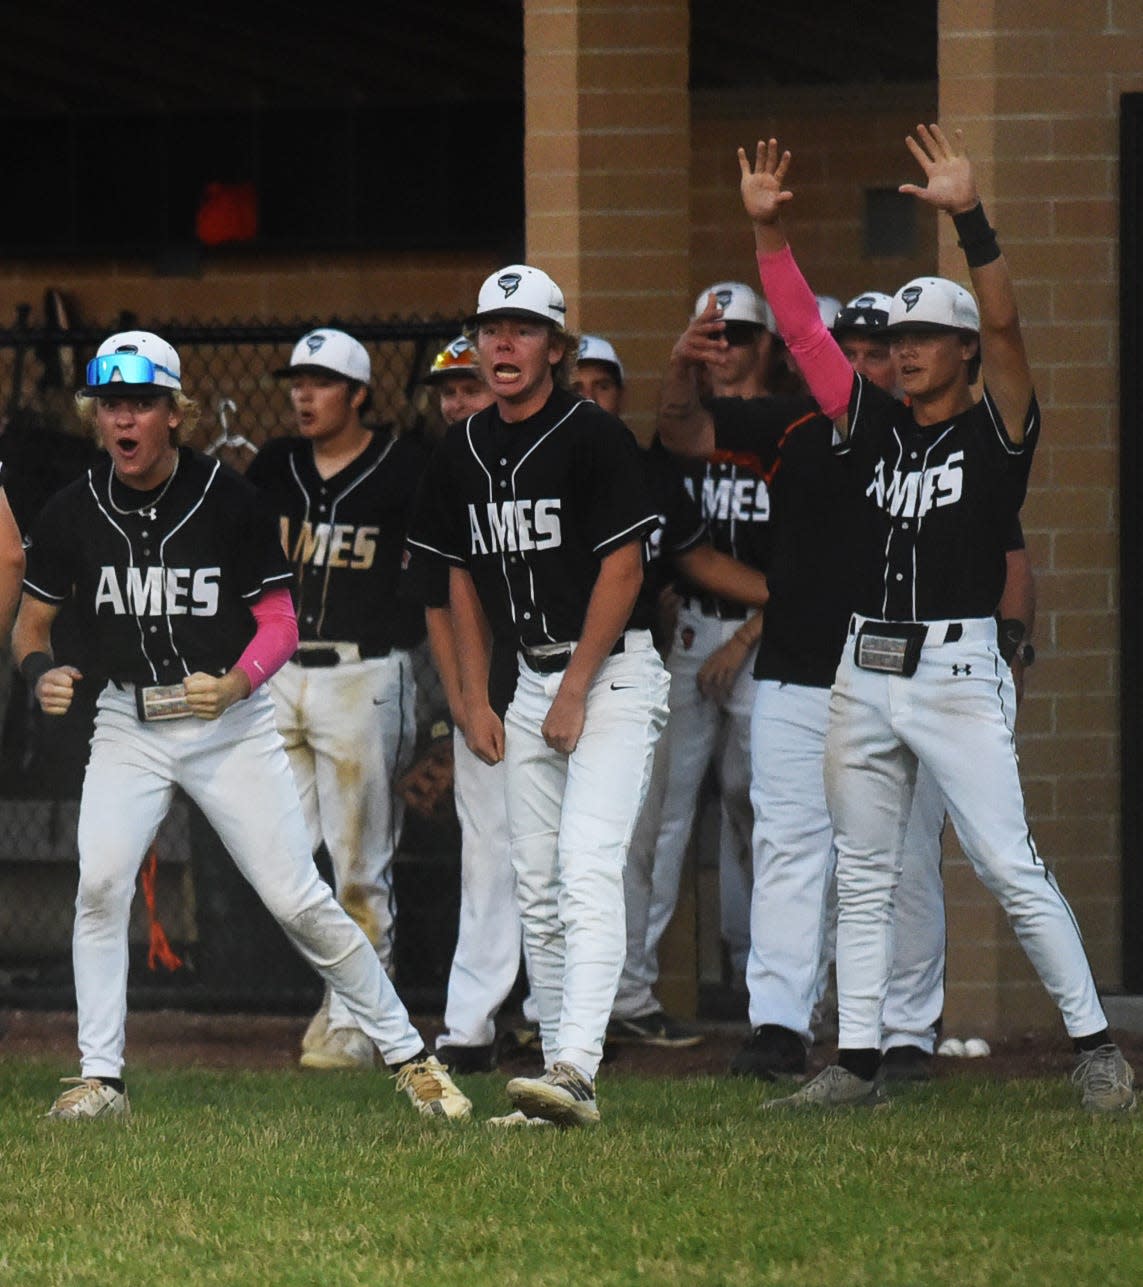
{"points": [[124, 368]]}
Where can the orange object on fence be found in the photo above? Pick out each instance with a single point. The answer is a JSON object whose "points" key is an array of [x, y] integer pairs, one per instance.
{"points": [[159, 952]]}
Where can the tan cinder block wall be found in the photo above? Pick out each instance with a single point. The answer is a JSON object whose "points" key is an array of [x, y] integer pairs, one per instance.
{"points": [[607, 159], [1035, 86], [844, 141]]}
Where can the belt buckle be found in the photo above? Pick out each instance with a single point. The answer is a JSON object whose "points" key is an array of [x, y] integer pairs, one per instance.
{"points": [[311, 657], [890, 651], [161, 702]]}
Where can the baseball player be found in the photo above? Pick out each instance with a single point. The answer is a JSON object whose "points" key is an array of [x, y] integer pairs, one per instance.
{"points": [[716, 639], [345, 702], [539, 506], [680, 542], [486, 961], [180, 581], [11, 563], [793, 907], [936, 485]]}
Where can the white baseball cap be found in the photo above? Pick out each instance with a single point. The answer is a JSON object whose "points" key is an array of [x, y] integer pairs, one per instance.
{"points": [[829, 308], [865, 312], [330, 350], [933, 304], [521, 291], [594, 348], [739, 303], [137, 360]]}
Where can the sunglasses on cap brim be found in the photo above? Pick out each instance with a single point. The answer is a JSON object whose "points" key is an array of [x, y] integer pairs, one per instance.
{"points": [[740, 334], [125, 368]]}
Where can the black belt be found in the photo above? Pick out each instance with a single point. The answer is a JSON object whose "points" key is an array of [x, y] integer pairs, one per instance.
{"points": [[552, 663], [314, 657], [710, 605], [902, 629]]}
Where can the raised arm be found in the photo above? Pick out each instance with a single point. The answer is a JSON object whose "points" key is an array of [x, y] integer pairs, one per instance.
{"points": [[950, 185], [825, 367], [684, 424]]}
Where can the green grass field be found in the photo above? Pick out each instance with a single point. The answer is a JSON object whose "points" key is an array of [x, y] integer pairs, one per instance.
{"points": [[279, 1177]]}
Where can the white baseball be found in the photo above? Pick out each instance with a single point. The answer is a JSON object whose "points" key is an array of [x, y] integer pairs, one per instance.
{"points": [[977, 1048], [952, 1048]]}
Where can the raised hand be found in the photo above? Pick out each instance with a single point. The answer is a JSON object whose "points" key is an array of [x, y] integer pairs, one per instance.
{"points": [[762, 193], [950, 183], [703, 340]]}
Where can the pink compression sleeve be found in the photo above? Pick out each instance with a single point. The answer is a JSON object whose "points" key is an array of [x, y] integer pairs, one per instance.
{"points": [[824, 365], [275, 640]]}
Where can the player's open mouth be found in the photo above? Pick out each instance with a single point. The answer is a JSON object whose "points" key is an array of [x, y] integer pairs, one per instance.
{"points": [[126, 446], [506, 371]]}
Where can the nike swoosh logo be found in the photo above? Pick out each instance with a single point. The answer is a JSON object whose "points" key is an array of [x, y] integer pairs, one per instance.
{"points": [[617, 688], [380, 701]]}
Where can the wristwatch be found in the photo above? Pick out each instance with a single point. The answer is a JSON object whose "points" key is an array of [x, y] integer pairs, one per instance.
{"points": [[1025, 654], [1010, 634]]}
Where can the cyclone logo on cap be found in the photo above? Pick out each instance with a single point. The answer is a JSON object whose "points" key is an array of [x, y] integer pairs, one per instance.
{"points": [[583, 346], [314, 342], [723, 297], [910, 296], [509, 283]]}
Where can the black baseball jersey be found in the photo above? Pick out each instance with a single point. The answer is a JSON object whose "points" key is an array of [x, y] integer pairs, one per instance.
{"points": [[734, 500], [344, 537], [531, 509], [679, 526], [162, 581], [935, 506]]}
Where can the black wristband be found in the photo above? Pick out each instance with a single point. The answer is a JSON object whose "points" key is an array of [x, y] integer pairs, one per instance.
{"points": [[1010, 634], [33, 666], [977, 237]]}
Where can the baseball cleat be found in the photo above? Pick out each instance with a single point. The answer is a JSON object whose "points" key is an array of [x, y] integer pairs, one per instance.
{"points": [[655, 1029], [430, 1089], [836, 1087], [88, 1099], [318, 1027], [770, 1052], [562, 1095], [1106, 1080], [518, 1118], [906, 1063], [339, 1049]]}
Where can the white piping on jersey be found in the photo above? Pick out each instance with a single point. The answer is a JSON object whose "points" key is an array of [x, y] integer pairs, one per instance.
{"points": [[432, 549], [615, 536], [162, 547], [929, 447], [1012, 448], [45, 594], [354, 482], [130, 563]]}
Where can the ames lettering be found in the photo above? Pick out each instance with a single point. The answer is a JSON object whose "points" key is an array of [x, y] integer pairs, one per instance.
{"points": [[515, 526], [158, 592], [743, 500], [913, 494], [337, 545]]}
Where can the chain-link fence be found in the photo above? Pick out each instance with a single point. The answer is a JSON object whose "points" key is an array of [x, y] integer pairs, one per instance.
{"points": [[230, 953]]}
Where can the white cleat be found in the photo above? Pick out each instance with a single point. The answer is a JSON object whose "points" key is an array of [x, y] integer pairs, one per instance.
{"points": [[513, 1120], [88, 1099], [432, 1091], [340, 1048], [562, 1095]]}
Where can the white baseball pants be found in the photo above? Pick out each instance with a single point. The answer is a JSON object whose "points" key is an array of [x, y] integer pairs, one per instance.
{"points": [[956, 716], [350, 731], [235, 770], [570, 821], [699, 729], [793, 906], [487, 957]]}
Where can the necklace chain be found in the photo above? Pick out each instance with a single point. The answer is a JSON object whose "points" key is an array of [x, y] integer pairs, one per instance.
{"points": [[150, 509]]}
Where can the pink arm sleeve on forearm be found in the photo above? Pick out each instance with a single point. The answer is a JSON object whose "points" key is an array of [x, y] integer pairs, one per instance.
{"points": [[275, 640], [824, 365]]}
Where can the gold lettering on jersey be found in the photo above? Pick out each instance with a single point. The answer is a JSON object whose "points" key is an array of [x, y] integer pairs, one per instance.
{"points": [[157, 591], [337, 545], [745, 500], [912, 493], [515, 526]]}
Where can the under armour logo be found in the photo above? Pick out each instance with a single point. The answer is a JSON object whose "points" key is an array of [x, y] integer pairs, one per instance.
{"points": [[509, 283], [910, 296], [314, 342], [723, 297], [962, 670]]}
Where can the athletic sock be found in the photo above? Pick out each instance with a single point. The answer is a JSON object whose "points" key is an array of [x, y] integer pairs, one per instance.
{"points": [[1097, 1039], [418, 1058], [862, 1063]]}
